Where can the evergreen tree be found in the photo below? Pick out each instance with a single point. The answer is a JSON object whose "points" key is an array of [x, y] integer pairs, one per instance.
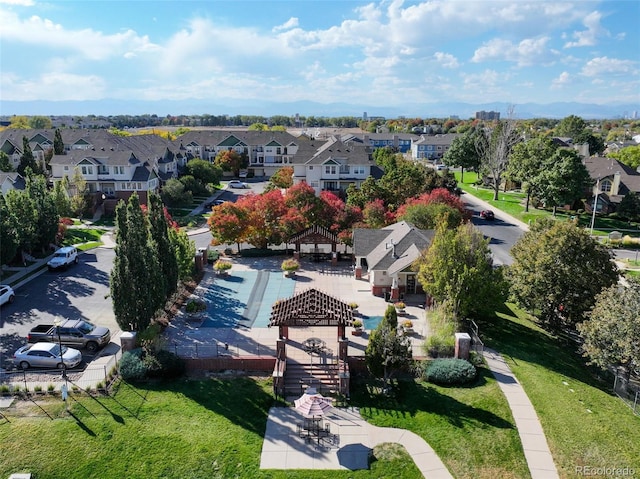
{"points": [[8, 234], [387, 352], [27, 160], [185, 250], [137, 289], [5, 162], [47, 214], [58, 144], [166, 251], [390, 317]]}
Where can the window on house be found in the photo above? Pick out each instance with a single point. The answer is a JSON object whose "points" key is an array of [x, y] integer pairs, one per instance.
{"points": [[358, 170], [605, 186], [330, 169], [103, 170], [87, 170]]}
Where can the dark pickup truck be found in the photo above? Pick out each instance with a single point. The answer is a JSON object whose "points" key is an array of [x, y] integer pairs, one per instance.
{"points": [[72, 332]]}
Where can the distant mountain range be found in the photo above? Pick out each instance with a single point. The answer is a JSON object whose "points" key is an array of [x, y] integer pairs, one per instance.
{"points": [[310, 108]]}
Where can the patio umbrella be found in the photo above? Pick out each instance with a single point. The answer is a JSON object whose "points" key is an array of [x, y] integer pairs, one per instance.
{"points": [[312, 403]]}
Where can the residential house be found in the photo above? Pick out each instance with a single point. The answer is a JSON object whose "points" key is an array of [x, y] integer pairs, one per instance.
{"points": [[11, 181], [401, 142], [613, 180], [568, 144], [385, 255], [11, 143], [114, 166], [432, 147], [334, 165], [267, 151]]}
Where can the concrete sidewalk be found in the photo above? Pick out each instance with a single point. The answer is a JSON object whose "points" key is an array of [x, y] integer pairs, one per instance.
{"points": [[534, 442], [349, 445]]}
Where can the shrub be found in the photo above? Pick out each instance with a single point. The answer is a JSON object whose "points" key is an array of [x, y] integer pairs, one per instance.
{"points": [[353, 305], [400, 305], [131, 365], [164, 364], [222, 265], [357, 323], [290, 264], [407, 323], [450, 371], [4, 389], [439, 346], [51, 388], [195, 305]]}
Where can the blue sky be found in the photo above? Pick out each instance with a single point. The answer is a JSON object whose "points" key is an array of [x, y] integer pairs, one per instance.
{"points": [[377, 53]]}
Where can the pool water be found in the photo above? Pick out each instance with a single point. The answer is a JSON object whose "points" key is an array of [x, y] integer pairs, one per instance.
{"points": [[245, 298], [371, 322]]}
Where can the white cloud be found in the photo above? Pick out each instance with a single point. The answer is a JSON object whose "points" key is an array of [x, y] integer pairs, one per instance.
{"points": [[58, 86], [588, 37], [527, 52], [446, 60], [608, 66], [289, 24], [24, 3], [563, 80], [91, 44]]}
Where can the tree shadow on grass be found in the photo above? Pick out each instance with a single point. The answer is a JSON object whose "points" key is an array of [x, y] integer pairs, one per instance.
{"points": [[410, 397], [517, 341], [242, 401]]}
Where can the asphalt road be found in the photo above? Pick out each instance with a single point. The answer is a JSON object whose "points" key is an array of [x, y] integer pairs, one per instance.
{"points": [[81, 292], [502, 231]]}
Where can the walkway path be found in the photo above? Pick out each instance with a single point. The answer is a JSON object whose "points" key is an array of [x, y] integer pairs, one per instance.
{"points": [[354, 441], [534, 443]]}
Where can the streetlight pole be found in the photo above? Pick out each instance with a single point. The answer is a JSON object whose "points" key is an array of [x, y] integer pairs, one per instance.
{"points": [[595, 205], [64, 391]]}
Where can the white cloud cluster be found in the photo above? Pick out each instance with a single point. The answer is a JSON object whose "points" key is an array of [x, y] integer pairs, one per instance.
{"points": [[379, 50]]}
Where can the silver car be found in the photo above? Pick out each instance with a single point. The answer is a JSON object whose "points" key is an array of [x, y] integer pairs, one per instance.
{"points": [[46, 355]]}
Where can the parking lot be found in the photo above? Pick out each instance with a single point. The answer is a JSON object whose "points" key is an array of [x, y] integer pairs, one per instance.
{"points": [[80, 292]]}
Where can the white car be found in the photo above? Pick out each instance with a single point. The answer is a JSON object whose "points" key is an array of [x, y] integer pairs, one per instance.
{"points": [[6, 294], [63, 258], [238, 184], [47, 355]]}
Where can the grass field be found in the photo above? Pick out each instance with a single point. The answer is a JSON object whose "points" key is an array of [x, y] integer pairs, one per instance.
{"points": [[214, 428], [585, 423]]}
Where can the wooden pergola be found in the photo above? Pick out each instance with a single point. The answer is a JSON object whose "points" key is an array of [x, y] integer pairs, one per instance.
{"points": [[315, 235], [311, 308]]}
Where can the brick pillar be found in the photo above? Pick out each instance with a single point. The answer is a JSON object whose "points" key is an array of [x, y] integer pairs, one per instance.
{"points": [[463, 345], [127, 341], [334, 258], [358, 272]]}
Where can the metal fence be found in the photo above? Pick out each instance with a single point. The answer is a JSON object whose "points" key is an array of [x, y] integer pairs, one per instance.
{"points": [[198, 351], [476, 343], [629, 391]]}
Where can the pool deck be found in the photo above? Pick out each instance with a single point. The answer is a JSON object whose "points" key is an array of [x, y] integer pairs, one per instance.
{"points": [[233, 334]]}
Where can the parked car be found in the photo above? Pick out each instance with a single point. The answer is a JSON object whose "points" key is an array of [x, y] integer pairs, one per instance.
{"points": [[212, 203], [47, 355], [238, 184], [73, 332], [63, 258], [441, 167], [487, 215], [6, 294], [243, 174]]}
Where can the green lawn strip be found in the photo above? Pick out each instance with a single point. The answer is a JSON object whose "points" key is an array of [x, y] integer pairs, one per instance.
{"points": [[470, 428], [183, 429], [585, 424], [74, 236]]}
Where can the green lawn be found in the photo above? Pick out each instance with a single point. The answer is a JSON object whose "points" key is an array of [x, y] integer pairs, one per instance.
{"points": [[74, 236], [184, 429], [214, 428], [470, 428], [585, 424]]}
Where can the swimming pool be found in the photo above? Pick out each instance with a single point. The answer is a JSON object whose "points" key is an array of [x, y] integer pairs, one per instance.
{"points": [[245, 298]]}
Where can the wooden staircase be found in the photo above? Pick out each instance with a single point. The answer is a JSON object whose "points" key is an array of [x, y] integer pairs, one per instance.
{"points": [[323, 377]]}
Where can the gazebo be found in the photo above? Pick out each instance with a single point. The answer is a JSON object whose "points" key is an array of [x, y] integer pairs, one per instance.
{"points": [[316, 236], [307, 309]]}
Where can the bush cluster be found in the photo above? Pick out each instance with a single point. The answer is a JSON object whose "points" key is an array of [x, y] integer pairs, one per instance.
{"points": [[137, 364], [450, 371]]}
